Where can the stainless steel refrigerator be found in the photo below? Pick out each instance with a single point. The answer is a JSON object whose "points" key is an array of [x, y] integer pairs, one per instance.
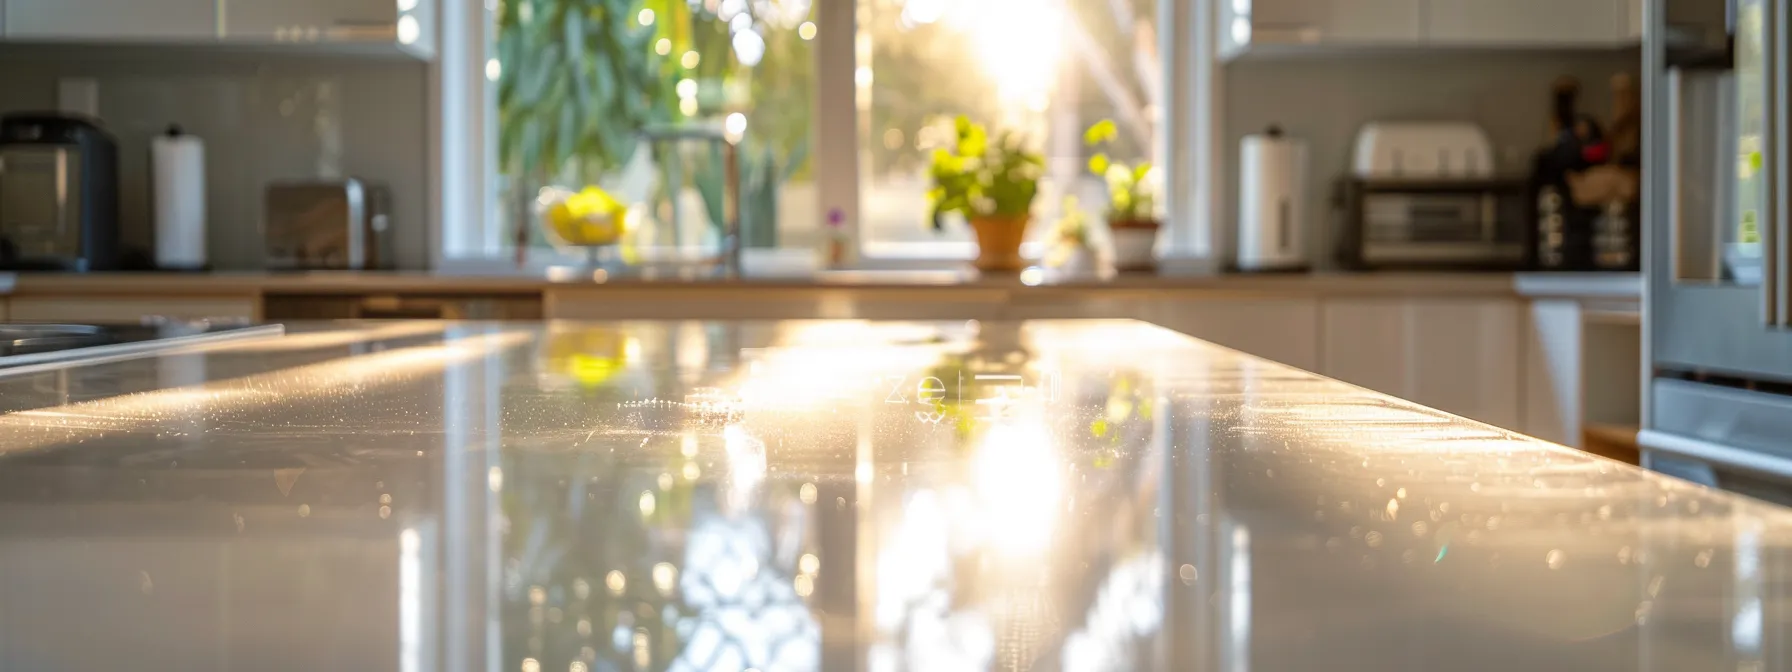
{"points": [[1718, 308]]}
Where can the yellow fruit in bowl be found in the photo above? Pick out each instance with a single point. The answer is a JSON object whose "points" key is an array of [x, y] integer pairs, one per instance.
{"points": [[587, 218]]}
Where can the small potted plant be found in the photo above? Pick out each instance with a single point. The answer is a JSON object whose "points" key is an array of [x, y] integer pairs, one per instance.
{"points": [[992, 184], [1068, 252], [1132, 202]]}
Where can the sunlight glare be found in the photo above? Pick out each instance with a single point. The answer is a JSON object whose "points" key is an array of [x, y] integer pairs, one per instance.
{"points": [[1016, 477], [1019, 44]]}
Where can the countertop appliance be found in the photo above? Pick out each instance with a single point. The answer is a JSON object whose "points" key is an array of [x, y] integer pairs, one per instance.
{"points": [[328, 225], [1422, 150], [177, 175], [58, 193], [1458, 224], [22, 346], [1718, 406], [1272, 196]]}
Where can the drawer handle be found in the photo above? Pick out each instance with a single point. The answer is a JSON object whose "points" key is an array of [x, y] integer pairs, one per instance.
{"points": [[1721, 455]]}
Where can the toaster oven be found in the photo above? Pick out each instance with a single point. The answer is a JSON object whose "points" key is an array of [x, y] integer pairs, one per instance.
{"points": [[1432, 224], [327, 225]]}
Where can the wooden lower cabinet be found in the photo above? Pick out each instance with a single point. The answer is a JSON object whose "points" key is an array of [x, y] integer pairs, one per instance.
{"points": [[128, 309]]}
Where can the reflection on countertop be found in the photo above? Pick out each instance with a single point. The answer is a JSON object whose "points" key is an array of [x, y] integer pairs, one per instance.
{"points": [[833, 495]]}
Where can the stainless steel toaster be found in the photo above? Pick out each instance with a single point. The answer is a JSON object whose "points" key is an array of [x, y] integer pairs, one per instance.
{"points": [[327, 225]]}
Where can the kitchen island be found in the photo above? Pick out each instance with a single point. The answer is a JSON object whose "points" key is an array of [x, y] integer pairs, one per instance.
{"points": [[841, 495]]}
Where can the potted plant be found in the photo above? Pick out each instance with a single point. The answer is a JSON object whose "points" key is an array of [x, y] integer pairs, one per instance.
{"points": [[992, 184], [1132, 202], [1068, 252]]}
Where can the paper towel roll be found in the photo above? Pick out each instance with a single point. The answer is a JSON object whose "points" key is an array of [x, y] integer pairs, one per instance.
{"points": [[178, 172], [1272, 202]]}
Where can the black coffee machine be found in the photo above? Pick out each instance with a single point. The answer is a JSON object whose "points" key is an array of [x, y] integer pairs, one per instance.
{"points": [[58, 193]]}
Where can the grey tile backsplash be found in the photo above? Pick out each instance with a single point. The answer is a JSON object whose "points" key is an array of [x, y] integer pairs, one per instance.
{"points": [[264, 117], [1325, 102]]}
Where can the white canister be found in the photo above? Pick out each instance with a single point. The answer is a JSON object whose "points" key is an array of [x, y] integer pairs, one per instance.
{"points": [[1272, 212], [178, 171]]}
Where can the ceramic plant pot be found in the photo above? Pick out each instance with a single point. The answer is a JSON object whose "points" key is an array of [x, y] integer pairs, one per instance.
{"points": [[998, 242], [1133, 242]]}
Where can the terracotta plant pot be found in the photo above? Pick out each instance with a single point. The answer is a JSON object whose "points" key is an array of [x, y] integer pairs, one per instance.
{"points": [[1133, 241], [998, 242]]}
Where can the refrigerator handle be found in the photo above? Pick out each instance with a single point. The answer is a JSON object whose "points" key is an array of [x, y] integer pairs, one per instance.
{"points": [[1775, 293], [1774, 180], [1755, 461]]}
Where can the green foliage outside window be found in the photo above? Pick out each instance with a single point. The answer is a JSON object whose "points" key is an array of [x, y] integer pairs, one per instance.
{"points": [[579, 80]]}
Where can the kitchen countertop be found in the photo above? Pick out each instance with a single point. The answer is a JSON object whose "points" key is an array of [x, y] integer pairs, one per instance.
{"points": [[250, 284], [843, 495], [1604, 286]]}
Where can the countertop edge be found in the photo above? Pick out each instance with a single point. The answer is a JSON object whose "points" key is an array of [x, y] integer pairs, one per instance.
{"points": [[1533, 285], [1579, 285]]}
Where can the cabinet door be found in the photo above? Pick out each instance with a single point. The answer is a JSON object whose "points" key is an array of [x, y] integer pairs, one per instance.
{"points": [[1522, 22], [1280, 330], [310, 20], [1460, 356], [1466, 356], [122, 20], [1364, 342], [1380, 21], [1331, 21]]}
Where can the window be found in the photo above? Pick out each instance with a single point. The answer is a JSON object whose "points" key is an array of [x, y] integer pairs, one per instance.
{"points": [[639, 98], [1048, 69], [574, 91]]}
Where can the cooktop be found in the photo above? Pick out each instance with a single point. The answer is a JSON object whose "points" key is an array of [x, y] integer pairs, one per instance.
{"points": [[26, 344]]}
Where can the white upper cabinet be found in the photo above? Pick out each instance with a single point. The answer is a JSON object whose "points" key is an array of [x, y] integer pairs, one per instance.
{"points": [[1373, 21], [121, 20], [382, 25], [1247, 23], [1527, 22], [405, 23], [1255, 26], [270, 19], [408, 24]]}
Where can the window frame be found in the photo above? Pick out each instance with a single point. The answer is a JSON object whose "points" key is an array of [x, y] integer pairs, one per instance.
{"points": [[464, 175]]}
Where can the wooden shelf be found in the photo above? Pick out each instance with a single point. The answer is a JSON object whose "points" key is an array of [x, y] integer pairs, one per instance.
{"points": [[1617, 442]]}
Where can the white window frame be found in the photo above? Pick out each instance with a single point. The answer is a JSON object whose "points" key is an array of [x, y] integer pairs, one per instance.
{"points": [[464, 168]]}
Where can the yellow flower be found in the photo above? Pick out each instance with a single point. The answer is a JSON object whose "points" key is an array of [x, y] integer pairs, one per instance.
{"points": [[1102, 131]]}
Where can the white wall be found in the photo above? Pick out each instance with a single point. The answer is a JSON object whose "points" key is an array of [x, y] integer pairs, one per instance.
{"points": [[265, 116]]}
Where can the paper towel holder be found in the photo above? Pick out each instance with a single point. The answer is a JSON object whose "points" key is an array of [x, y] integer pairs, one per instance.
{"points": [[178, 202], [1272, 209]]}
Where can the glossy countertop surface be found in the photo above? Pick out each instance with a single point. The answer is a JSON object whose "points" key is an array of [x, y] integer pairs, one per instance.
{"points": [[832, 495]]}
